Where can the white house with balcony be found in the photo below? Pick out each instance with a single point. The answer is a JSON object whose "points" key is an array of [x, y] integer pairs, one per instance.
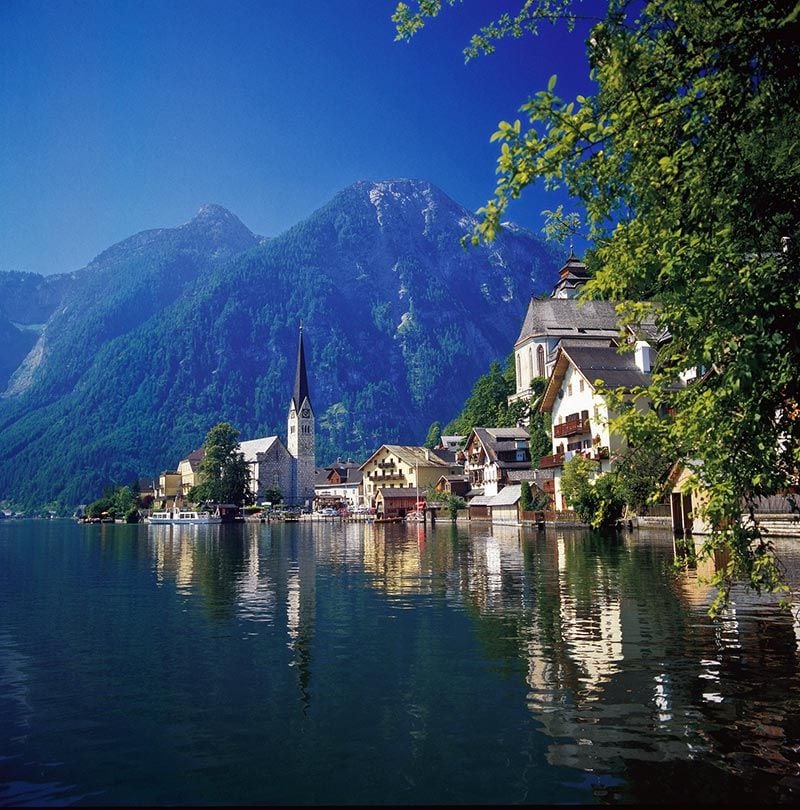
{"points": [[580, 413]]}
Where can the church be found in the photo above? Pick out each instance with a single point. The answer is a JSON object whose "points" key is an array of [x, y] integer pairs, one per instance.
{"points": [[288, 468]]}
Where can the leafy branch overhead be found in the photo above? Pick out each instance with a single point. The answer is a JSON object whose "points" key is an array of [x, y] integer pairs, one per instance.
{"points": [[686, 162]]}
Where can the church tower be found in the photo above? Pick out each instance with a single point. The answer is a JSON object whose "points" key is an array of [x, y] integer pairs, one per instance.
{"points": [[300, 435]]}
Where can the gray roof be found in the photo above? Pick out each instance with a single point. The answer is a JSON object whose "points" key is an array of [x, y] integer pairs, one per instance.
{"points": [[522, 475], [254, 446], [565, 316], [401, 492], [607, 364], [480, 500], [498, 440], [507, 496]]}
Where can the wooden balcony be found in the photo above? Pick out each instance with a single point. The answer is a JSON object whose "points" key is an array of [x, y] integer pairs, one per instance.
{"points": [[574, 427], [548, 462]]}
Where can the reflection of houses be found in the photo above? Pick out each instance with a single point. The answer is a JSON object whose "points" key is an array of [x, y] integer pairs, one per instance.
{"points": [[339, 484], [580, 414], [491, 454], [405, 467]]}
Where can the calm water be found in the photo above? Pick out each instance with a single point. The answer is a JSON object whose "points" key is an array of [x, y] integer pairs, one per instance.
{"points": [[354, 664]]}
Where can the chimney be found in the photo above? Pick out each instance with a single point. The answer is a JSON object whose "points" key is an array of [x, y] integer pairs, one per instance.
{"points": [[643, 354]]}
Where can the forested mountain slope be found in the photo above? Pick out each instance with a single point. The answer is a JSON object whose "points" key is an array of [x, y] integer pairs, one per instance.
{"points": [[174, 331]]}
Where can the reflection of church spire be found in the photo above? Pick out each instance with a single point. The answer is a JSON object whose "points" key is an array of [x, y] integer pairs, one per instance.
{"points": [[300, 615]]}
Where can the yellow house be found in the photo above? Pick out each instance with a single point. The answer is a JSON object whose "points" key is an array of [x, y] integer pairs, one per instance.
{"points": [[189, 470], [169, 486], [398, 466]]}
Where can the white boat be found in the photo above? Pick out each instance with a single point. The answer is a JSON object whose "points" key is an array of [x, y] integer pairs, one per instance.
{"points": [[184, 516]]}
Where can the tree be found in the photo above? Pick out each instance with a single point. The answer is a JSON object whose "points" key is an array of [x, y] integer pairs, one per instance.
{"points": [[595, 498], [525, 499], [225, 475], [454, 503], [434, 435], [487, 404], [685, 160]]}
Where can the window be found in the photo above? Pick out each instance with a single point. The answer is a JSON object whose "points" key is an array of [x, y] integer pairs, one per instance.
{"points": [[580, 385], [519, 375], [569, 390], [540, 360], [530, 359]]}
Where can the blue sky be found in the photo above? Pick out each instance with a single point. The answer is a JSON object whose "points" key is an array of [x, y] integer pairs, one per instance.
{"points": [[120, 116]]}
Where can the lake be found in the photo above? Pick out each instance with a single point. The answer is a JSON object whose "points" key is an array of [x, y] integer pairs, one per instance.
{"points": [[337, 663]]}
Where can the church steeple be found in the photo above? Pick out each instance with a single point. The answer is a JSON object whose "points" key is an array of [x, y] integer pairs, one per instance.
{"points": [[300, 440], [300, 377]]}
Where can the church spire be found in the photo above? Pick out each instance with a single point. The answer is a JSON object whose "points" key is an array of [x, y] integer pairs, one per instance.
{"points": [[300, 377]]}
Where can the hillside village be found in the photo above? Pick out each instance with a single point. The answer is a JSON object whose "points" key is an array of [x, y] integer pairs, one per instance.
{"points": [[571, 346]]}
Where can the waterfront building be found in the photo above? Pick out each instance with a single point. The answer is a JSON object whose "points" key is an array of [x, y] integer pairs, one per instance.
{"points": [[580, 414], [405, 467], [189, 469], [491, 454], [169, 487], [339, 485]]}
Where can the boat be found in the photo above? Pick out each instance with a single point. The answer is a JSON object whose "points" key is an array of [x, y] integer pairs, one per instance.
{"points": [[185, 516]]}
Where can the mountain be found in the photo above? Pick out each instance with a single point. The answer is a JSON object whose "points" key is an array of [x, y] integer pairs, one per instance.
{"points": [[27, 301], [171, 331]]}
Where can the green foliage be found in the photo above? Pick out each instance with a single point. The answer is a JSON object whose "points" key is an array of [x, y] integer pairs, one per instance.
{"points": [[224, 474], [434, 435], [116, 502], [487, 404], [595, 498], [454, 503], [155, 343], [686, 162], [525, 498]]}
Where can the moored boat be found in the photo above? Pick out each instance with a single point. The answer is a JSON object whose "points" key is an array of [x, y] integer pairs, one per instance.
{"points": [[181, 516]]}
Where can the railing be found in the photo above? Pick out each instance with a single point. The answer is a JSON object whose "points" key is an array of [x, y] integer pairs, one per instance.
{"points": [[388, 475], [571, 428], [546, 462], [385, 464]]}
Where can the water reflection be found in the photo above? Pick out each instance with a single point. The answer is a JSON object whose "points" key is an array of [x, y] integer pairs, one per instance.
{"points": [[622, 672]]}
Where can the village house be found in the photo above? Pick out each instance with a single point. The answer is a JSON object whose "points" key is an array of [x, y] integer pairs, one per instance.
{"points": [[339, 485], [453, 485], [491, 455], [580, 413], [189, 469], [450, 443], [403, 468], [168, 487]]}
